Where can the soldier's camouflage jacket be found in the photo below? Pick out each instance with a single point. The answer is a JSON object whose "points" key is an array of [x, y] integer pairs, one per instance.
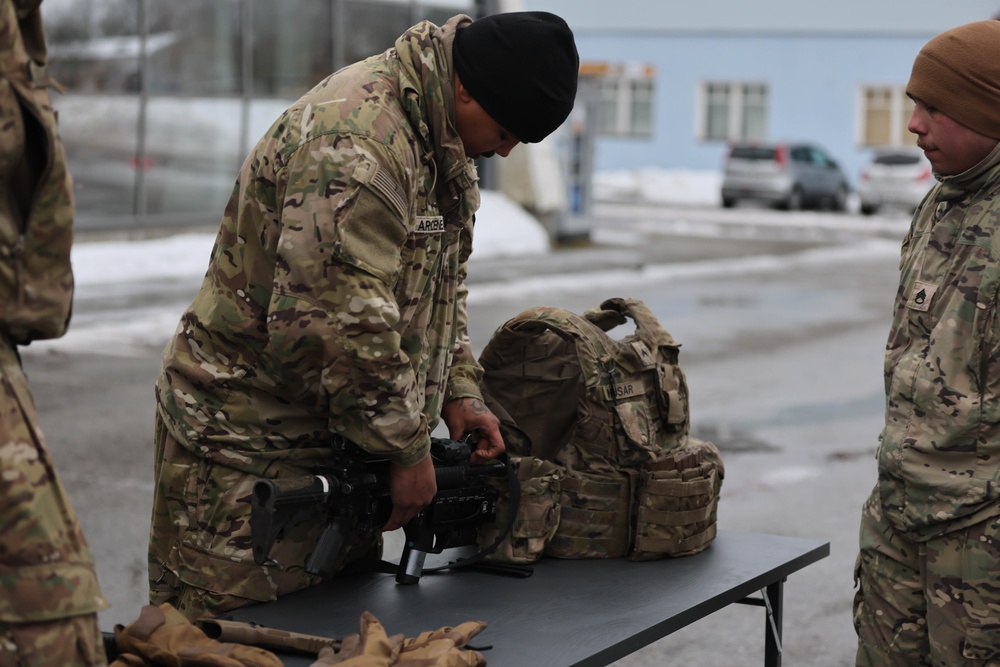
{"points": [[334, 301], [46, 569], [36, 209], [939, 456]]}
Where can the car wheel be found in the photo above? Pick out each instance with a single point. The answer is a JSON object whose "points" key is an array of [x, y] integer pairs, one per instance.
{"points": [[728, 202], [793, 202], [869, 209], [840, 199]]}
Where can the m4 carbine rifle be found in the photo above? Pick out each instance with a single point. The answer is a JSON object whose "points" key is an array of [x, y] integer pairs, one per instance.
{"points": [[356, 491]]}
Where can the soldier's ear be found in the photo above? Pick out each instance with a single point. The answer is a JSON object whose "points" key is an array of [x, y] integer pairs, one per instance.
{"points": [[462, 95]]}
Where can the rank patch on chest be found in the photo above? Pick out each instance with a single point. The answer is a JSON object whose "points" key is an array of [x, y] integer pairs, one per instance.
{"points": [[921, 295], [429, 224]]}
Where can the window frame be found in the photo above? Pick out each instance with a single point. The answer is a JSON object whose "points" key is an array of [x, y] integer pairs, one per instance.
{"points": [[899, 108], [737, 97], [624, 98]]}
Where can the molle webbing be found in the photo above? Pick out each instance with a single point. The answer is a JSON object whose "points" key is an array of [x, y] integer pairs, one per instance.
{"points": [[613, 415]]}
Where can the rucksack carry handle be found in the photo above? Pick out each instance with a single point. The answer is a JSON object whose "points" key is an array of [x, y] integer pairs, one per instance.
{"points": [[605, 319], [614, 312]]}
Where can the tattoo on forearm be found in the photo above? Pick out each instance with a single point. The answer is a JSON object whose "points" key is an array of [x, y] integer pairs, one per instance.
{"points": [[477, 406]]}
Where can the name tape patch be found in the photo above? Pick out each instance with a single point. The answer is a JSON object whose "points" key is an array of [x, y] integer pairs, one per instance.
{"points": [[429, 224], [625, 390]]}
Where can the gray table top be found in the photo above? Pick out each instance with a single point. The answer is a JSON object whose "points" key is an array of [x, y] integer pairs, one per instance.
{"points": [[569, 613]]}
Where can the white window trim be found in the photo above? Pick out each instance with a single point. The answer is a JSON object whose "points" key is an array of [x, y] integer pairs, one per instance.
{"points": [[622, 78], [897, 132], [736, 88]]}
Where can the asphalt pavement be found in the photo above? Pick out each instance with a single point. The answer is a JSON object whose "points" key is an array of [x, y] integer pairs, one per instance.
{"points": [[782, 319]]}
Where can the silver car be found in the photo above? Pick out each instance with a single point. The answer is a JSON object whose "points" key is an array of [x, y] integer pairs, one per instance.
{"points": [[784, 174], [895, 178]]}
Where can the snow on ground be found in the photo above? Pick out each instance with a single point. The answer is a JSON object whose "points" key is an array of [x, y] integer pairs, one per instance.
{"points": [[503, 229], [652, 185], [130, 268]]}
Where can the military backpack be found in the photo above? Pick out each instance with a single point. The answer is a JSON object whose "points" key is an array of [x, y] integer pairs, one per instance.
{"points": [[599, 430]]}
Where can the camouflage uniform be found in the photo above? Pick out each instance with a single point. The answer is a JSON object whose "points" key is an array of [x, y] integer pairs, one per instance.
{"points": [[930, 538], [334, 303], [49, 597]]}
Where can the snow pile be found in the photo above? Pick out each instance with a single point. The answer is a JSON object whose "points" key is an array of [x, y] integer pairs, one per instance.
{"points": [[652, 185]]}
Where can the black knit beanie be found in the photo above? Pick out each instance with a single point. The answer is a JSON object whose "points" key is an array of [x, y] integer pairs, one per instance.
{"points": [[521, 67], [959, 73]]}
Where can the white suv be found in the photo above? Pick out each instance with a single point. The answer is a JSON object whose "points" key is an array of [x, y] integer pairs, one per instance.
{"points": [[897, 177]]}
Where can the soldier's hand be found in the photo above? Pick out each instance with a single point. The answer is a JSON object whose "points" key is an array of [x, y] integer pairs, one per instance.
{"points": [[465, 415], [411, 490]]}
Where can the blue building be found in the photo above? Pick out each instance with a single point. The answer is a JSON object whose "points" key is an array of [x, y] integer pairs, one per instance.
{"points": [[673, 82]]}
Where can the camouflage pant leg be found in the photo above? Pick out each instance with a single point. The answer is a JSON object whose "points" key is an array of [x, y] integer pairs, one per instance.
{"points": [[194, 602], [164, 583], [889, 605], [198, 582], [925, 604], [46, 568], [963, 593], [67, 642]]}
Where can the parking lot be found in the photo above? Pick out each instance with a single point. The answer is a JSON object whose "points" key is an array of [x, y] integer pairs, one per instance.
{"points": [[782, 319]]}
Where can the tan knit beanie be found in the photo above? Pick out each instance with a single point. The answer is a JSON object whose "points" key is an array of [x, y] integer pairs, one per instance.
{"points": [[959, 73]]}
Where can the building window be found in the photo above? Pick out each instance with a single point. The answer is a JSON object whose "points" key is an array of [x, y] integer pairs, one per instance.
{"points": [[623, 96], [607, 105], [885, 112], [731, 111]]}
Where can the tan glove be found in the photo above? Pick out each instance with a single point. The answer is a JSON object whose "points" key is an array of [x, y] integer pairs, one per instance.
{"points": [[371, 648], [162, 636], [443, 648]]}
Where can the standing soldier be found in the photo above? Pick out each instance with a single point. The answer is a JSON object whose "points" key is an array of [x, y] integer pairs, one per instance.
{"points": [[49, 596], [929, 563], [334, 301]]}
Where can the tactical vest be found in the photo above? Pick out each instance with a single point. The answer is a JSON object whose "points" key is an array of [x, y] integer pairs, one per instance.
{"points": [[36, 207], [599, 429]]}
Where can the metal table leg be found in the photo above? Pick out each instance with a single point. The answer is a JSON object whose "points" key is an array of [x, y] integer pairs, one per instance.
{"points": [[770, 599], [772, 631]]}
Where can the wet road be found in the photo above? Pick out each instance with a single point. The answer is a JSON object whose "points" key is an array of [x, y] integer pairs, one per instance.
{"points": [[782, 328]]}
